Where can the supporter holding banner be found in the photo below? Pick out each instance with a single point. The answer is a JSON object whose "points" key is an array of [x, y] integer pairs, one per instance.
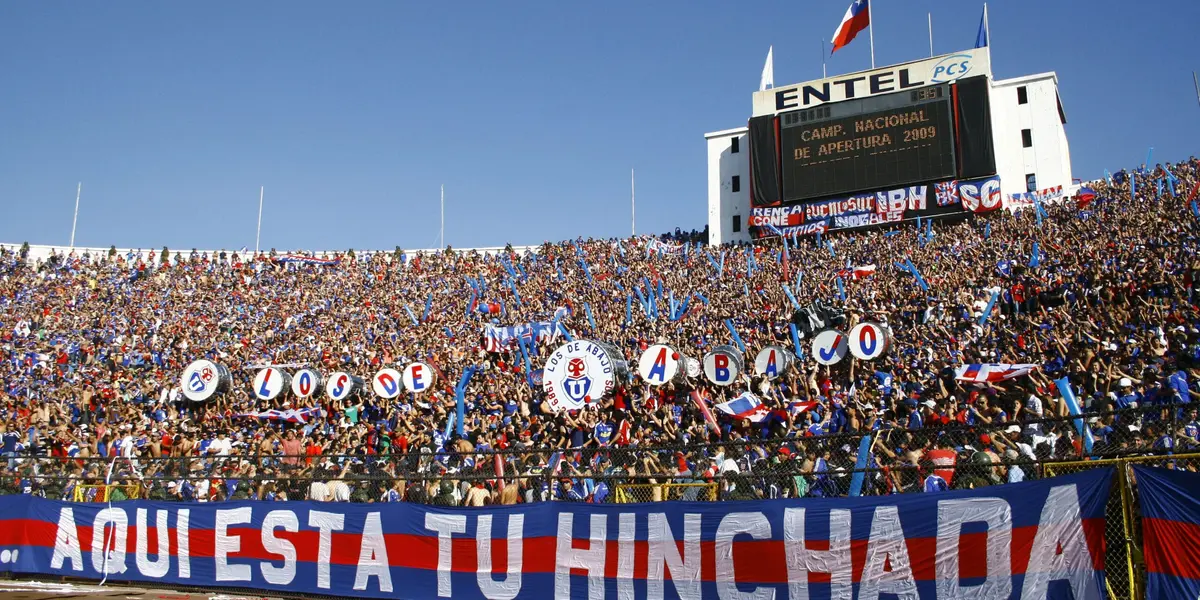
{"points": [[871, 208], [306, 260], [1041, 539], [503, 334]]}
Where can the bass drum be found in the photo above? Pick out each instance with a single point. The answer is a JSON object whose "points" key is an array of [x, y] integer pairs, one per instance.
{"points": [[306, 382], [772, 361], [270, 382], [661, 363], [204, 379], [620, 365], [724, 365], [342, 386]]}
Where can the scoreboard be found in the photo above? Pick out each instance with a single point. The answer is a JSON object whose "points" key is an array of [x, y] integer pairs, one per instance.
{"points": [[936, 132], [891, 147]]}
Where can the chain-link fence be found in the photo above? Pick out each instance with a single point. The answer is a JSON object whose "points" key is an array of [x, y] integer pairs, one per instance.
{"points": [[1124, 565], [963, 454]]}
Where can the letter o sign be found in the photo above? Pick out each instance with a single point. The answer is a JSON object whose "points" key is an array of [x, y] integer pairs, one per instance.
{"points": [[869, 341]]}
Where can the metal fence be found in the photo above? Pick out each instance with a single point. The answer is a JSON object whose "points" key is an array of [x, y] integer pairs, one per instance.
{"points": [[1124, 564], [963, 455]]}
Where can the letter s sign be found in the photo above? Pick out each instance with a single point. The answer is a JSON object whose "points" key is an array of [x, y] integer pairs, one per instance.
{"points": [[980, 196], [951, 68]]}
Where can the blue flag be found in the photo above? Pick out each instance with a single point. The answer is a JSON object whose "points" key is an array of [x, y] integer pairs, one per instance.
{"points": [[587, 308], [428, 307], [1035, 257], [860, 466], [787, 292], [981, 38], [991, 305], [1064, 388], [737, 339], [796, 341]]}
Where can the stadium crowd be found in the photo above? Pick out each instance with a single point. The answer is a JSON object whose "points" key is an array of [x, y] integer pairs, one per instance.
{"points": [[91, 350]]}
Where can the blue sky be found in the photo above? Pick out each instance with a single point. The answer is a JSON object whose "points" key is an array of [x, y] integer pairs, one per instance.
{"points": [[351, 114]]}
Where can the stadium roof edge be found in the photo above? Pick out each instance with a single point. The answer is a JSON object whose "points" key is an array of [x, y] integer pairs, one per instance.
{"points": [[42, 251], [1027, 78], [726, 132]]}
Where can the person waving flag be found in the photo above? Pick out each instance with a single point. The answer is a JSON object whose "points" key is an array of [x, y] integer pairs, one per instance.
{"points": [[858, 18]]}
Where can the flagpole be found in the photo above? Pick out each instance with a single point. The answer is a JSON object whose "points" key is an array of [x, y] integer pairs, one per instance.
{"points": [[442, 229], [823, 75], [930, 15], [1196, 82], [75, 219], [632, 206], [258, 230], [871, 25], [987, 29]]}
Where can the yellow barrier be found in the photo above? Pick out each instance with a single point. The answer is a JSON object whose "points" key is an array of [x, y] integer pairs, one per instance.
{"points": [[104, 493], [657, 492]]}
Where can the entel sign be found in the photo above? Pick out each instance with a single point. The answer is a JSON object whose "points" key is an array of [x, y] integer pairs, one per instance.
{"points": [[921, 73]]}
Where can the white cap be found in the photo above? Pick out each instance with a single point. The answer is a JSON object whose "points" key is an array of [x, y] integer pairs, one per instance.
{"points": [[1125, 382], [1013, 429]]}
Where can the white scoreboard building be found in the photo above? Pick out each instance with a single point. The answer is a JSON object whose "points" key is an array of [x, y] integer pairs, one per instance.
{"points": [[815, 154]]}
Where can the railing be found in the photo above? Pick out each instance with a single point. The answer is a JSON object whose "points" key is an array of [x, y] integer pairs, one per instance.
{"points": [[965, 456]]}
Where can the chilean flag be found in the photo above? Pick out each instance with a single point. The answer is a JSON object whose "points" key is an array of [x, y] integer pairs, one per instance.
{"points": [[857, 272], [746, 406], [991, 372], [858, 18]]}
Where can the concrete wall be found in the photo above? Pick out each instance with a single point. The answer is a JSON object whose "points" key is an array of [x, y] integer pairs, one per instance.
{"points": [[1049, 158], [725, 205]]}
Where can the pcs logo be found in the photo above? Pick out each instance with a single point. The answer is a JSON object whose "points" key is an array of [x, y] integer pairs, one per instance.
{"points": [[951, 68]]}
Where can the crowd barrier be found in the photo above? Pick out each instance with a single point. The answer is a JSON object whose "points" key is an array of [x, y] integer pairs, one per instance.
{"points": [[1039, 539]]}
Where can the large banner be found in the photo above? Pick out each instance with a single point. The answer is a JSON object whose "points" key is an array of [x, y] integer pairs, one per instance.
{"points": [[876, 208], [1170, 502], [1041, 539], [1027, 200]]}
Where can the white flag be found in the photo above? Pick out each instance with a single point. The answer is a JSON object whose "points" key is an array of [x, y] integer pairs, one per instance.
{"points": [[768, 74]]}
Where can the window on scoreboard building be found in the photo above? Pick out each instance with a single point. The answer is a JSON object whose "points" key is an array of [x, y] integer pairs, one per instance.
{"points": [[737, 223], [1026, 138], [1031, 182], [734, 145], [736, 184]]}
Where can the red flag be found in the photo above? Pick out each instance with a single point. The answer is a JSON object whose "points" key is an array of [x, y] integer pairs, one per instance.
{"points": [[858, 18], [499, 468], [703, 406]]}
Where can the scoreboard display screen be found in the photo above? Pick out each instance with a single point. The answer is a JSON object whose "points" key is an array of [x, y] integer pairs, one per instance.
{"points": [[873, 150]]}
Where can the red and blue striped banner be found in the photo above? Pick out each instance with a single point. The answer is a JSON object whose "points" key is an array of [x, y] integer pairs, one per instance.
{"points": [[1040, 539], [1170, 502]]}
